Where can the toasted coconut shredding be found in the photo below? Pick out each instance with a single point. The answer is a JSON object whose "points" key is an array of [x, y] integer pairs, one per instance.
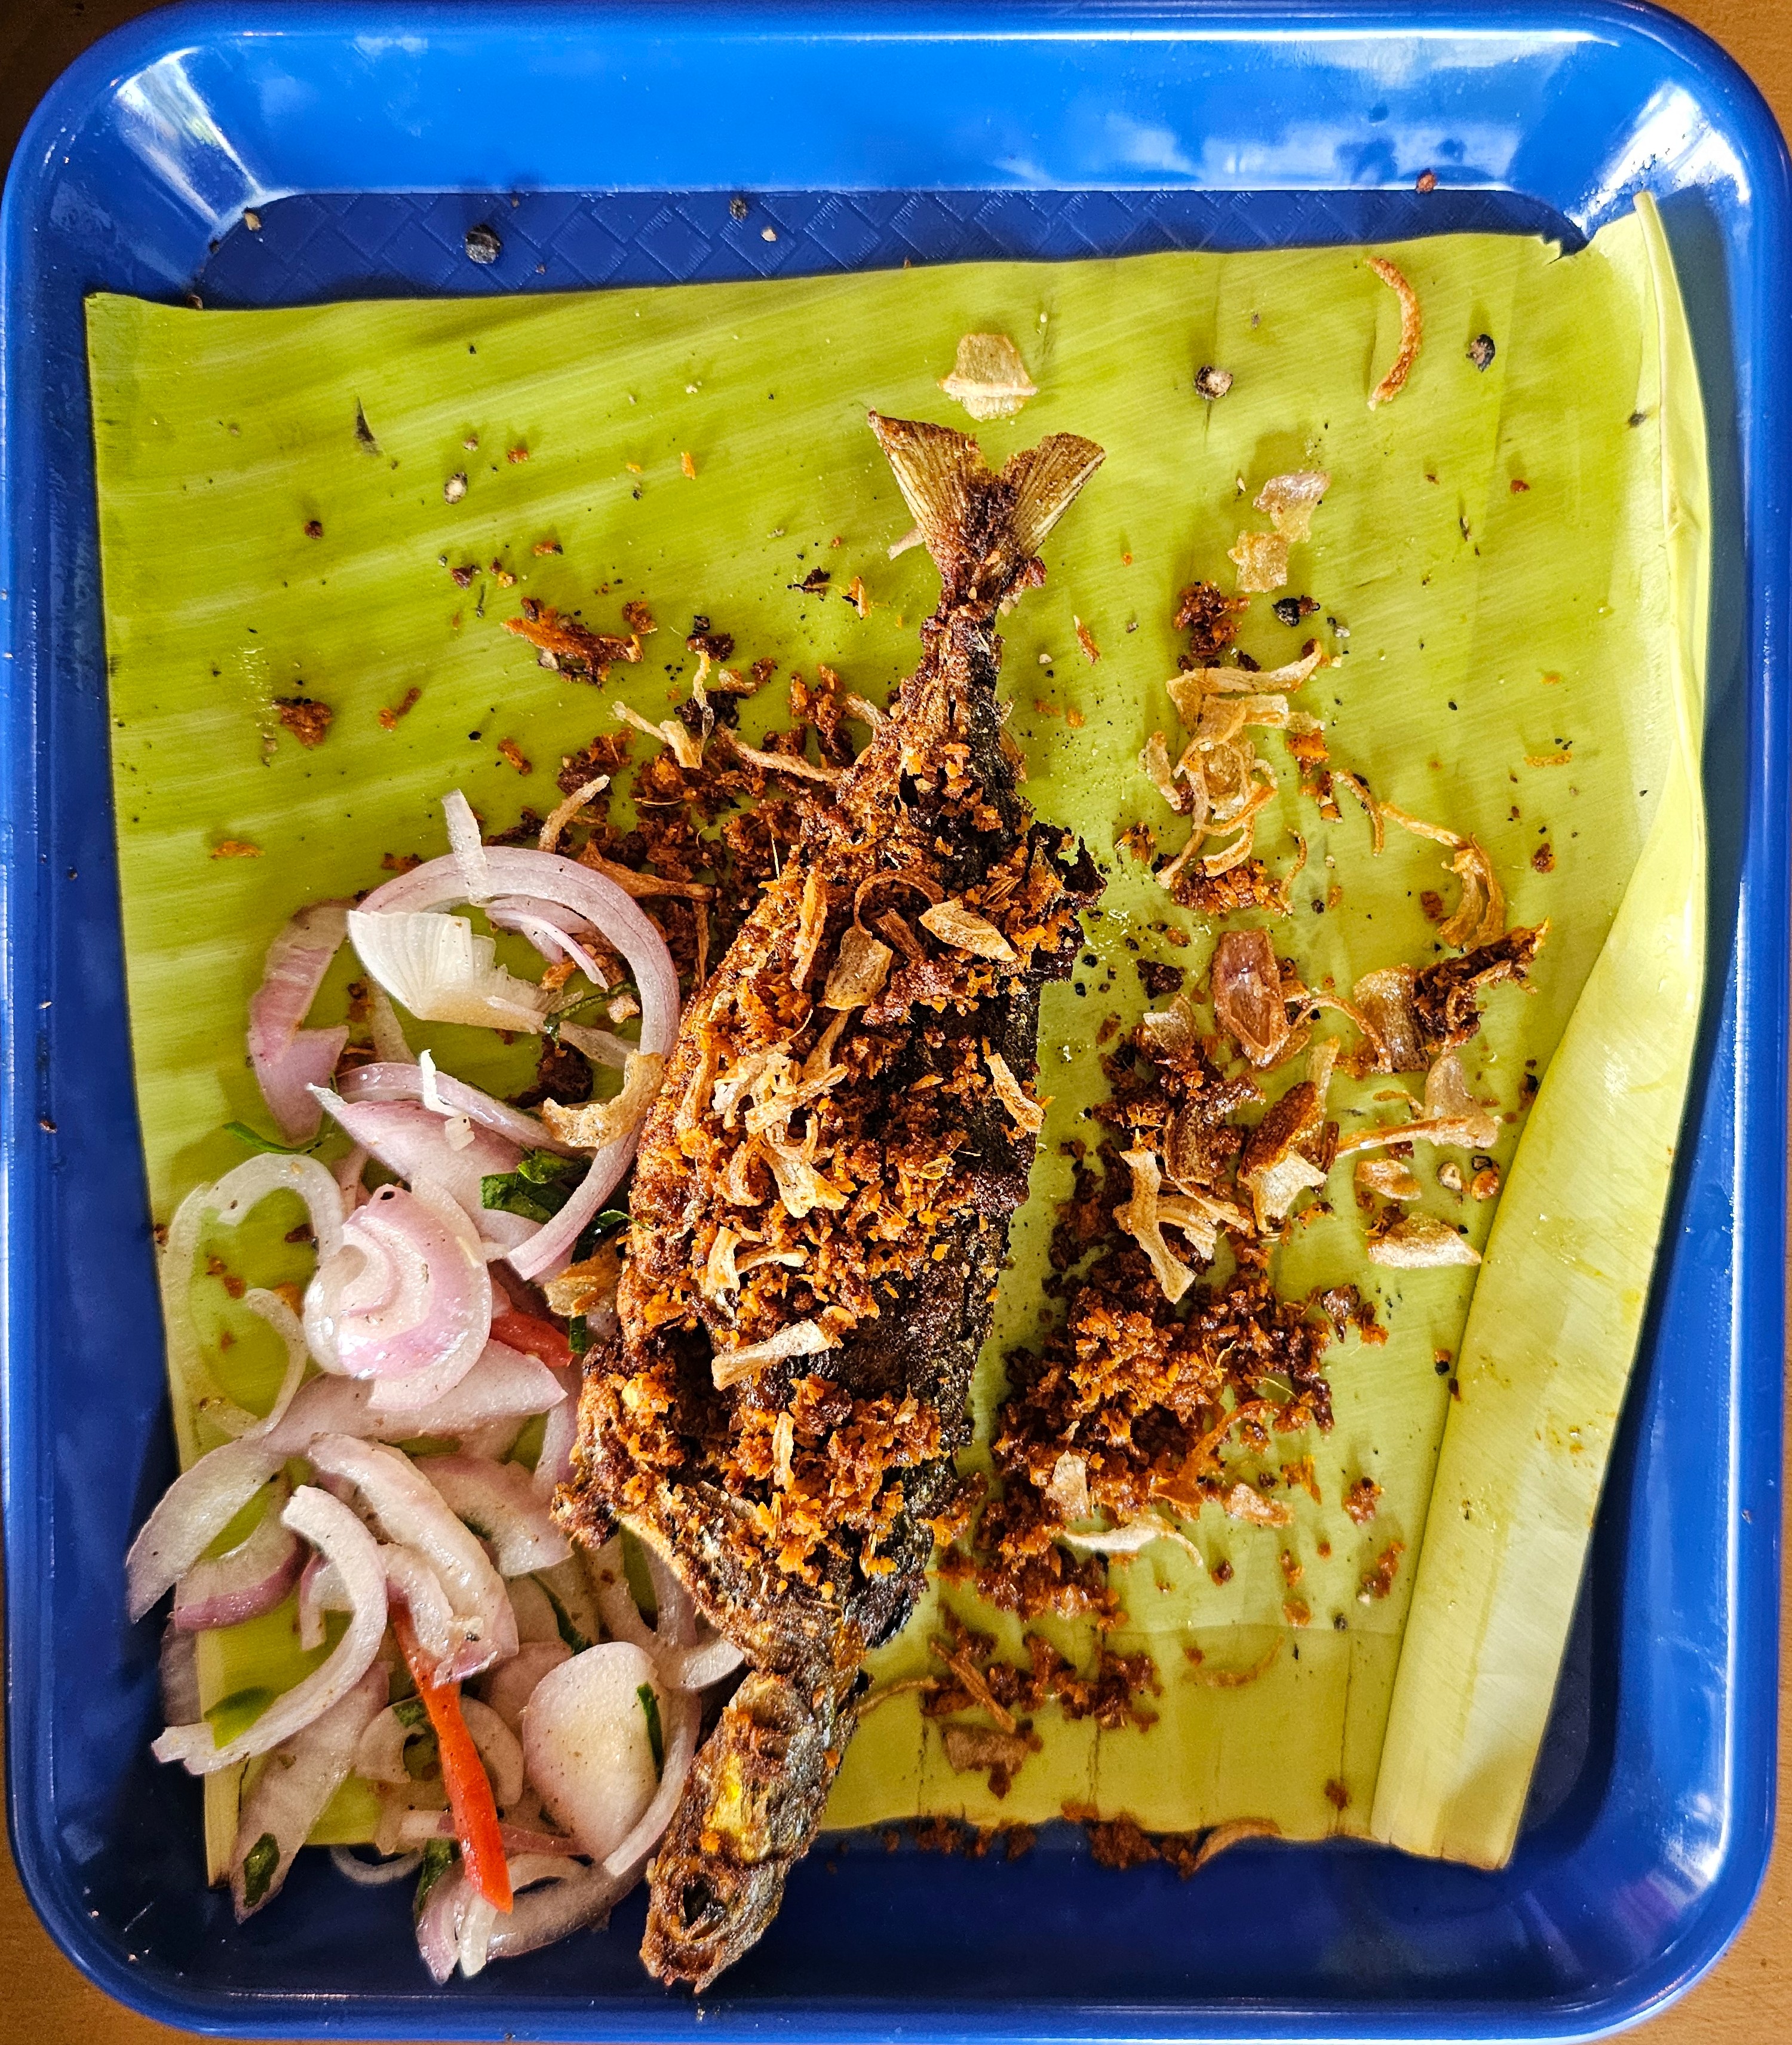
{"points": [[812, 925], [596, 1123], [583, 1288], [1154, 763], [569, 646], [1028, 1114], [1276, 1164], [1069, 1488], [565, 812], [1388, 1177], [1132, 1538], [784, 763], [1411, 332], [687, 749], [1141, 1218], [1419, 1243], [1248, 999], [954, 924], [799, 1338], [989, 379], [1263, 561], [1359, 789], [1245, 1502], [860, 968], [1291, 500]]}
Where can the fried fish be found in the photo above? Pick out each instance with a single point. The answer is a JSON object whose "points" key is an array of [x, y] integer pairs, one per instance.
{"points": [[821, 1210]]}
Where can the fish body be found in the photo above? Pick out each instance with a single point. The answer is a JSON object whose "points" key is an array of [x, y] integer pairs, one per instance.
{"points": [[821, 1210]]}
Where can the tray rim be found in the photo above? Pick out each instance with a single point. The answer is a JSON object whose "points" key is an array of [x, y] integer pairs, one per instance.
{"points": [[1761, 1019]]}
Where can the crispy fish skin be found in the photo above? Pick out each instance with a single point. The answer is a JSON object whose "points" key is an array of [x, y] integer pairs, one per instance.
{"points": [[799, 1505]]}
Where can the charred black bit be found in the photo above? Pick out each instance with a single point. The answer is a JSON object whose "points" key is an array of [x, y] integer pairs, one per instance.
{"points": [[482, 246], [1482, 351]]}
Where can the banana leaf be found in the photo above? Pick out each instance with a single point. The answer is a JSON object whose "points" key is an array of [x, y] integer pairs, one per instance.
{"points": [[1492, 564]]}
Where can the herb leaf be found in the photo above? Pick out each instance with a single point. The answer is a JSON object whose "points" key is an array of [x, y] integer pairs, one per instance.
{"points": [[259, 1866], [243, 1134], [438, 1857], [540, 1187], [650, 1707], [562, 1618]]}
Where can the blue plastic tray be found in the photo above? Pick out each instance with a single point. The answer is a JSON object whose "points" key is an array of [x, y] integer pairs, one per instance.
{"points": [[605, 145]]}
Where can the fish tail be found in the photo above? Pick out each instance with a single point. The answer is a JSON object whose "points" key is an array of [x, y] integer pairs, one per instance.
{"points": [[751, 1806], [983, 529]]}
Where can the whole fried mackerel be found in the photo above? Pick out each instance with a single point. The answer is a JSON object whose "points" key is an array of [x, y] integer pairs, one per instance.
{"points": [[821, 1210]]}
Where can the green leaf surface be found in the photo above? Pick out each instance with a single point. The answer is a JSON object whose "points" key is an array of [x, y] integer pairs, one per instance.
{"points": [[1491, 564]]}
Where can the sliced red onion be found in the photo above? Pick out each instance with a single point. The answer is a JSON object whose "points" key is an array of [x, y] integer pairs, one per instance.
{"points": [[498, 1500], [202, 1501], [697, 1667], [601, 1046], [616, 1602], [442, 972], [544, 1916], [534, 1610], [178, 1672], [548, 878], [347, 1173], [553, 1466], [302, 1774], [438, 1927], [286, 1324], [504, 1384], [465, 847], [410, 1581], [246, 1581], [408, 1140], [289, 1060], [542, 925], [396, 1083], [389, 1045], [680, 1716], [477, 1920], [320, 1591], [419, 1828], [230, 1198], [405, 1298], [674, 1619], [499, 1749], [587, 1744], [412, 1512], [508, 1687], [379, 1754], [373, 1873], [332, 1528]]}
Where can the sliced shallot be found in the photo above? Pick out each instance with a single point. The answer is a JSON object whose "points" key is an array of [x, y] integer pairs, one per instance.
{"points": [[499, 1501], [588, 1746], [247, 1580], [404, 1299], [547, 877], [413, 1142], [302, 1774], [405, 1082], [411, 1512], [331, 1527], [290, 1061], [510, 1686]]}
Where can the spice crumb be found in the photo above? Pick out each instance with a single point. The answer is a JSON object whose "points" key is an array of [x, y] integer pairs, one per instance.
{"points": [[510, 750], [389, 717]]}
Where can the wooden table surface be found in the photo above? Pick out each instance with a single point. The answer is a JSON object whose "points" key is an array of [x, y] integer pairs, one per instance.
{"points": [[42, 1996]]}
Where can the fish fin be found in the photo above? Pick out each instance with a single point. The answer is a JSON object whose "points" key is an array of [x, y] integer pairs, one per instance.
{"points": [[1046, 478], [981, 530], [933, 466]]}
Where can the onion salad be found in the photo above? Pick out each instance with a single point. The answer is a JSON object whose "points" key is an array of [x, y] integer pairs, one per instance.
{"points": [[524, 1730]]}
